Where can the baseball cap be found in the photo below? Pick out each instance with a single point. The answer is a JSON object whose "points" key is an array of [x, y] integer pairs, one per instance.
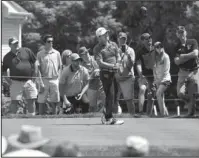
{"points": [[75, 56], [101, 31], [12, 40], [181, 29], [158, 44], [122, 35], [66, 53], [83, 50], [145, 36], [138, 144]]}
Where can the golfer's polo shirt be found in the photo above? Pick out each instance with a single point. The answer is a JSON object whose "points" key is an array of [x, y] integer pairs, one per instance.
{"points": [[108, 53], [74, 81], [190, 45], [20, 64], [49, 63]]}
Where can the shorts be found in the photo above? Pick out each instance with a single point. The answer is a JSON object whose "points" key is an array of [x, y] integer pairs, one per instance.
{"points": [[127, 88], [147, 81], [51, 91], [190, 87], [166, 83], [23, 89]]}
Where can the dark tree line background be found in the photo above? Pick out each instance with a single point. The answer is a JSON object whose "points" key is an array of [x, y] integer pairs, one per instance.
{"points": [[73, 23]]}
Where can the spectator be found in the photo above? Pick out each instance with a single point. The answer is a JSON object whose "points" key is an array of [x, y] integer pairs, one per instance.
{"points": [[26, 153], [4, 145], [66, 54], [107, 55], [162, 77], [49, 66], [62, 149], [187, 59], [144, 64], [126, 77], [136, 146], [21, 63], [73, 85], [95, 83], [30, 137]]}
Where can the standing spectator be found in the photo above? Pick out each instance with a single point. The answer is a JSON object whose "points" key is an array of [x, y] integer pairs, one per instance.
{"points": [[73, 85], [126, 76], [49, 66], [108, 58], [21, 63], [66, 54], [95, 83], [188, 77], [144, 63], [162, 77]]}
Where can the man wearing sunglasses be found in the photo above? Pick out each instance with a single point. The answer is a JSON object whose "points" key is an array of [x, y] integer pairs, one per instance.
{"points": [[144, 64], [22, 65], [108, 58], [49, 66], [187, 59]]}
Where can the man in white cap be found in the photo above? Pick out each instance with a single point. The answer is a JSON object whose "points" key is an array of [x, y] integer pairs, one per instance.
{"points": [[22, 65], [107, 55], [73, 85]]}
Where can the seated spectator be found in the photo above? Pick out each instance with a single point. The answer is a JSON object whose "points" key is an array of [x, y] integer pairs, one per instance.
{"points": [[26, 153], [73, 85], [162, 77], [4, 145], [62, 149], [95, 84], [136, 146], [29, 137]]}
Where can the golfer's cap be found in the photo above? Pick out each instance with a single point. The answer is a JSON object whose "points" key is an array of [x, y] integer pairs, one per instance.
{"points": [[12, 40], [122, 35], [101, 31], [26, 153], [75, 56], [181, 29], [138, 144]]}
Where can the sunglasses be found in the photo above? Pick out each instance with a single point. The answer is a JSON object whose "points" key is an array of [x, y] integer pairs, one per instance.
{"points": [[49, 41]]}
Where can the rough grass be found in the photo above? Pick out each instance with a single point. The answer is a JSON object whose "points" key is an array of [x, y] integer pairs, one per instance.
{"points": [[154, 151]]}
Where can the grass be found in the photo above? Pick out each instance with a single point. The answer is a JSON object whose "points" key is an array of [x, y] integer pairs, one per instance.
{"points": [[154, 151]]}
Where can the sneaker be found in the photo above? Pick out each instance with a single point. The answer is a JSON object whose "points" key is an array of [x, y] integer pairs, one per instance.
{"points": [[111, 121]]}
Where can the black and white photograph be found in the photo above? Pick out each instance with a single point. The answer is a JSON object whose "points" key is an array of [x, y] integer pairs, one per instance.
{"points": [[99, 78]]}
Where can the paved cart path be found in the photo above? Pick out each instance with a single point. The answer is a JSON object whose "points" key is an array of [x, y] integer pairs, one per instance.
{"points": [[180, 133]]}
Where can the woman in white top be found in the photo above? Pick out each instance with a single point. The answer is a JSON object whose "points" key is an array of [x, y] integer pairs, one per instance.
{"points": [[162, 77]]}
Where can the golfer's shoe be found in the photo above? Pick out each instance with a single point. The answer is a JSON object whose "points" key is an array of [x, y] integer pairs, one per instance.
{"points": [[111, 121]]}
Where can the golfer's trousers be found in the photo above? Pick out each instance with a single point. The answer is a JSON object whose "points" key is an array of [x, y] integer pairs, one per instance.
{"points": [[111, 90]]}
